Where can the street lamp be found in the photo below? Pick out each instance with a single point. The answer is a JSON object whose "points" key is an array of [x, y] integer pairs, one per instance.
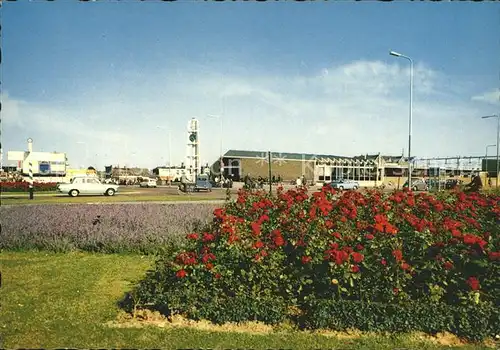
{"points": [[221, 161], [498, 140], [394, 53]]}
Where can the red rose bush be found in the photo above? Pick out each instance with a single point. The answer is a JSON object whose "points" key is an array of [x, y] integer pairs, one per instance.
{"points": [[400, 261]]}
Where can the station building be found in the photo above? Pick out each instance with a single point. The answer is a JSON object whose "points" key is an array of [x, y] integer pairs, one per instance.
{"points": [[369, 170]]}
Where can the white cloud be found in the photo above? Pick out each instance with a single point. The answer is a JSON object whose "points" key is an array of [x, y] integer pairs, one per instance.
{"points": [[357, 108], [492, 96]]}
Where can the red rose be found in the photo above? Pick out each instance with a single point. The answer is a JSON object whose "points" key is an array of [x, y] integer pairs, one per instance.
{"points": [[369, 236], [360, 247], [258, 245], [469, 239], [383, 261], [357, 257], [306, 259], [473, 282], [193, 236], [209, 266], [279, 241], [398, 254], [208, 237], [181, 274], [256, 228], [219, 212], [355, 269], [405, 266], [494, 255], [218, 275], [448, 265]]}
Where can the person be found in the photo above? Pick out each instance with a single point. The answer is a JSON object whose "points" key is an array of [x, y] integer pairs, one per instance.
{"points": [[475, 185], [247, 181], [260, 181], [303, 180], [184, 182], [298, 182], [274, 179], [489, 181]]}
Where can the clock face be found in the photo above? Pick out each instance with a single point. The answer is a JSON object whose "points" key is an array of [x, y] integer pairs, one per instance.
{"points": [[192, 137]]}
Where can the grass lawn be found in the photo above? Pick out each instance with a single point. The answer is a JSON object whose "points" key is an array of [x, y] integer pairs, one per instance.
{"points": [[122, 197], [65, 300]]}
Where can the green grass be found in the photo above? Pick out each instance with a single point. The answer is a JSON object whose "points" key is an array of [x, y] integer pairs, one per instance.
{"points": [[122, 197], [64, 300]]}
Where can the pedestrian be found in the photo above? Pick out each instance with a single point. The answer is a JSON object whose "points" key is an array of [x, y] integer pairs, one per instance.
{"points": [[298, 182]]}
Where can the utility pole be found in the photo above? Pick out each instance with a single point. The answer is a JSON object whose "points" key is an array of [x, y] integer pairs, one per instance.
{"points": [[270, 171]]}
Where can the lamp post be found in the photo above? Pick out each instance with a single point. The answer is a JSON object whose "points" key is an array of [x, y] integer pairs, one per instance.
{"points": [[393, 53], [498, 142], [221, 161], [486, 156]]}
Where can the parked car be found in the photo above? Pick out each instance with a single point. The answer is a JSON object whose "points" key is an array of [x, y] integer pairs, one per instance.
{"points": [[148, 183], [202, 183], [417, 185], [87, 185], [342, 184]]}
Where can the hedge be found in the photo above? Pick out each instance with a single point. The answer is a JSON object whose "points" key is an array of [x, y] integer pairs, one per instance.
{"points": [[24, 186], [473, 321]]}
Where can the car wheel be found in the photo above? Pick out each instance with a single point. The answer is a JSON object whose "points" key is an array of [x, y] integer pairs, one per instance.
{"points": [[110, 192], [415, 188], [355, 188], [74, 193], [341, 188]]}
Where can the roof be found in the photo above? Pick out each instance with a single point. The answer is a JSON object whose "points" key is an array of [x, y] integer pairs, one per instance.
{"points": [[278, 155]]}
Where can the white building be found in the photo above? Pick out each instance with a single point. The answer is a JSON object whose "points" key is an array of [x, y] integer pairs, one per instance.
{"points": [[45, 165]]}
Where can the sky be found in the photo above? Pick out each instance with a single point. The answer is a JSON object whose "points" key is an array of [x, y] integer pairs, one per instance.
{"points": [[116, 82]]}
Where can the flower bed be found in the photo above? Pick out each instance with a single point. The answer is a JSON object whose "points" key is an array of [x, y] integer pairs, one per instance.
{"points": [[272, 258], [24, 186], [108, 228]]}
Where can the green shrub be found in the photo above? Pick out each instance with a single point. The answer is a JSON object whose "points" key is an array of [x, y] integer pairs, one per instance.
{"points": [[265, 255], [474, 322]]}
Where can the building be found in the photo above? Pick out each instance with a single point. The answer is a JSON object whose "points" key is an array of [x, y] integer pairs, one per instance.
{"points": [[46, 166], [368, 170]]}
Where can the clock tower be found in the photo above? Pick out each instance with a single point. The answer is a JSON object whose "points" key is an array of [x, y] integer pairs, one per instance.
{"points": [[193, 150]]}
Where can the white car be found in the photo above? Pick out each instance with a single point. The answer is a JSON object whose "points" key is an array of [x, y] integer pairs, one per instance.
{"points": [[342, 184], [148, 183], [87, 185]]}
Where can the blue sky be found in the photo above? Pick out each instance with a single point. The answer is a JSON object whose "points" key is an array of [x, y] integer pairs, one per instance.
{"points": [[96, 79]]}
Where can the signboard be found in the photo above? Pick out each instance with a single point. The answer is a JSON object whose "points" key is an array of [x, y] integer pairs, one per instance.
{"points": [[44, 168]]}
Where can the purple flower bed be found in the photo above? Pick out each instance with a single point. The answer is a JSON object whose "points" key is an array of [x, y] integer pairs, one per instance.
{"points": [[110, 228]]}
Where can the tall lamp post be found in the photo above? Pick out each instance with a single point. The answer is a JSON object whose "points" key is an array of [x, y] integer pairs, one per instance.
{"points": [[394, 53], [221, 160], [498, 141], [486, 156]]}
